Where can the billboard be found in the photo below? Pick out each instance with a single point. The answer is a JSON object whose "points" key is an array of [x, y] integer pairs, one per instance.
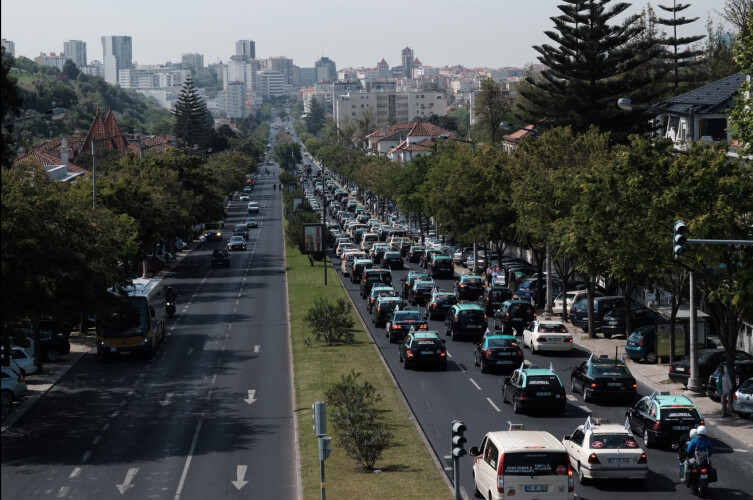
{"points": [[313, 237]]}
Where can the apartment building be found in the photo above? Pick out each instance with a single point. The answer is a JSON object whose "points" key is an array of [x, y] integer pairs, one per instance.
{"points": [[75, 50], [390, 107]]}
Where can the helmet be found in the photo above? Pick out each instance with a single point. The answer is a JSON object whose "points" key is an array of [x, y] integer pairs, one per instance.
{"points": [[701, 430], [693, 432]]}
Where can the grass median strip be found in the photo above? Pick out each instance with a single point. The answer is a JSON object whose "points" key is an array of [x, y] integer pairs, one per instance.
{"points": [[407, 468]]}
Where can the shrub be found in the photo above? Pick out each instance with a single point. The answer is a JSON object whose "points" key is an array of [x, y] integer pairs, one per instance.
{"points": [[331, 322]]}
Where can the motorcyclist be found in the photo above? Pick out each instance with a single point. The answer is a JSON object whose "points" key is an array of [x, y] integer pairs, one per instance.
{"points": [[170, 295], [683, 450], [699, 449]]}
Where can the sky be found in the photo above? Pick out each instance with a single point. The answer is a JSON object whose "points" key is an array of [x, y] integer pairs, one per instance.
{"points": [[353, 33]]}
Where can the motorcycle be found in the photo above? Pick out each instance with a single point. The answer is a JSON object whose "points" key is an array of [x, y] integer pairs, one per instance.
{"points": [[170, 308], [700, 473]]}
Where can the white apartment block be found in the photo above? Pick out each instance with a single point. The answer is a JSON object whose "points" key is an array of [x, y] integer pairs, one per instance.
{"points": [[117, 54], [154, 78], [235, 100], [390, 107], [271, 83], [52, 60], [75, 50]]}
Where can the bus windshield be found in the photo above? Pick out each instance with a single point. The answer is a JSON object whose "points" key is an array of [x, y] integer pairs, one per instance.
{"points": [[129, 319]]}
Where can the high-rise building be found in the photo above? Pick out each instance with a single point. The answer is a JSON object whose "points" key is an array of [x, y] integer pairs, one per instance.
{"points": [[326, 70], [281, 65], [10, 47], [193, 61], [245, 48], [407, 59], [117, 54], [75, 50]]}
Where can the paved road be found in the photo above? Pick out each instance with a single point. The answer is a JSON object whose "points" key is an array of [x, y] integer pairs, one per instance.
{"points": [[209, 416]]}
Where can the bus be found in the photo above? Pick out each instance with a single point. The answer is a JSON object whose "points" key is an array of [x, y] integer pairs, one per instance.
{"points": [[136, 325]]}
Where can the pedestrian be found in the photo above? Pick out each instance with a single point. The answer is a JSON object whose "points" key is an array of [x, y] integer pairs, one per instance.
{"points": [[724, 388], [202, 240], [488, 274]]}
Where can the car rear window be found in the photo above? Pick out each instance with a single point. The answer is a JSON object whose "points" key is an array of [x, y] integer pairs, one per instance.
{"points": [[613, 441], [535, 463], [502, 343], [553, 329], [610, 371], [409, 316], [541, 381], [475, 281], [470, 314], [683, 413], [451, 299]]}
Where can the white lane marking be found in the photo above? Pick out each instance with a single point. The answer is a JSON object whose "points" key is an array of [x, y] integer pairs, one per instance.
{"points": [[167, 399], [86, 456], [76, 472], [123, 403], [251, 399], [188, 458], [63, 491], [122, 488], [423, 386], [106, 426], [493, 405], [240, 473], [475, 384], [214, 378], [428, 406], [740, 450], [190, 350], [462, 368], [131, 392], [237, 302], [257, 349], [96, 440], [115, 414], [570, 397], [585, 408]]}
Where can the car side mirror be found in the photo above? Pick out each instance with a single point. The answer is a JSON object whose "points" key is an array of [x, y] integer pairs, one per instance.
{"points": [[473, 451], [566, 438]]}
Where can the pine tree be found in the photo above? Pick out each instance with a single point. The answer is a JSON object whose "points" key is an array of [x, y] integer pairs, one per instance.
{"points": [[582, 85], [191, 117], [673, 54]]}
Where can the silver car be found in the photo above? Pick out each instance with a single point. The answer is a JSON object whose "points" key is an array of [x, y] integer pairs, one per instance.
{"points": [[742, 400]]}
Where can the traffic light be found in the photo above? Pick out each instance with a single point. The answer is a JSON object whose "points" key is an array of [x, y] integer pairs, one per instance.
{"points": [[324, 449], [680, 238], [458, 440], [320, 414]]}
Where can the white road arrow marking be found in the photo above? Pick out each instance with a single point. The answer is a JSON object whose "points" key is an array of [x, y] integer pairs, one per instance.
{"points": [[251, 399], [168, 397], [257, 348], [241, 472], [127, 483]]}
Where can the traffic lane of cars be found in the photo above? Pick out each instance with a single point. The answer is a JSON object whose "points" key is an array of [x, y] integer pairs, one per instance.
{"points": [[438, 397]]}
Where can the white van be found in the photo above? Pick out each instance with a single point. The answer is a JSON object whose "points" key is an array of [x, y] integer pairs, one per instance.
{"points": [[523, 464], [368, 240], [347, 260]]}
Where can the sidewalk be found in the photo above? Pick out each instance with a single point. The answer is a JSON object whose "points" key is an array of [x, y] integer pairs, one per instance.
{"points": [[39, 384]]}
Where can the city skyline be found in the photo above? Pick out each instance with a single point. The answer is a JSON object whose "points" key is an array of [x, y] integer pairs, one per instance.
{"points": [[493, 35]]}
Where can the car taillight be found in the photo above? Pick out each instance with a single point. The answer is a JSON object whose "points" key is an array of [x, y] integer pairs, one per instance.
{"points": [[21, 378], [500, 474], [593, 385], [635, 386], [520, 354], [642, 460], [488, 353], [570, 479], [657, 426], [541, 339], [593, 459], [640, 344], [734, 397], [409, 353]]}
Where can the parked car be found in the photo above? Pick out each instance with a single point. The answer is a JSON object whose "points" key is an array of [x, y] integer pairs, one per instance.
{"points": [[528, 289], [13, 386], [572, 296], [220, 257], [602, 305], [641, 344], [423, 348], [53, 346], [547, 335], [465, 319], [513, 316], [600, 450], [708, 361], [603, 378], [534, 389], [498, 352], [662, 418], [742, 399], [25, 360], [614, 322]]}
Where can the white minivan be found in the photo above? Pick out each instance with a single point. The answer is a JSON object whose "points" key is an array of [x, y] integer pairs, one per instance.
{"points": [[524, 464]]}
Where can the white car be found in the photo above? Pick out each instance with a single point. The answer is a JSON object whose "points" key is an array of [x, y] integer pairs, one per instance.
{"points": [[573, 296], [24, 359], [600, 450], [13, 386], [742, 400], [547, 335], [244, 197], [344, 247]]}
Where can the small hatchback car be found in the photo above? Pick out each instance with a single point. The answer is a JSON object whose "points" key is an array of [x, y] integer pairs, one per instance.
{"points": [[423, 348], [531, 388], [662, 418]]}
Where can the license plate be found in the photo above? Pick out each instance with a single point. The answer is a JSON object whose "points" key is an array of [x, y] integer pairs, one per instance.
{"points": [[505, 362], [704, 476], [534, 488], [680, 427], [619, 460], [614, 384], [427, 352], [544, 394], [554, 339], [680, 369]]}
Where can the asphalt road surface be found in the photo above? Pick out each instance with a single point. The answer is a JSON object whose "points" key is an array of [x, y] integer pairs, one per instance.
{"points": [[210, 415]]}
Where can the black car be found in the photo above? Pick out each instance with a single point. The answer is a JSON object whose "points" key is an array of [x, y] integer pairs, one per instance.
{"points": [[662, 418], [415, 253], [440, 304], [220, 257], [614, 322], [602, 305], [401, 323], [531, 388], [393, 260], [513, 316], [743, 371], [493, 297], [465, 319], [410, 279], [241, 230], [428, 257], [383, 308], [441, 266], [374, 276], [421, 292], [708, 361], [469, 287], [358, 267], [603, 378], [53, 345], [498, 352], [377, 253], [423, 348]]}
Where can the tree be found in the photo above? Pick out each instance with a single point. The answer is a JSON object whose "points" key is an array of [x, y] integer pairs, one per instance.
{"points": [[583, 83], [330, 322], [315, 119], [10, 106], [674, 54], [741, 116], [739, 14], [70, 70], [491, 107], [191, 123]]}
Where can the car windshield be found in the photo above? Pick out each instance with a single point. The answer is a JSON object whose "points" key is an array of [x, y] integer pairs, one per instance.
{"points": [[409, 316], [535, 463], [613, 441], [610, 371]]}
